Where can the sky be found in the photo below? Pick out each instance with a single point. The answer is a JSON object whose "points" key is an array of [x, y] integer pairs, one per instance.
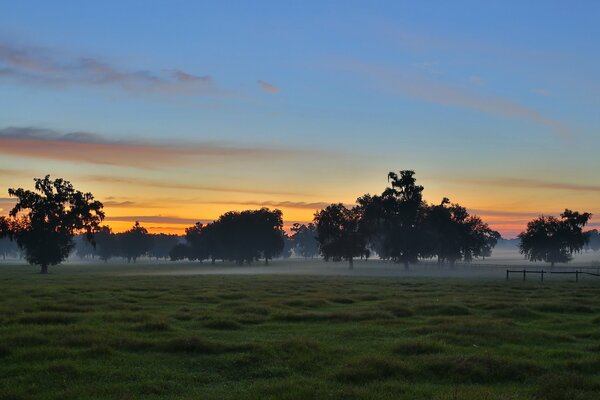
{"points": [[172, 112]]}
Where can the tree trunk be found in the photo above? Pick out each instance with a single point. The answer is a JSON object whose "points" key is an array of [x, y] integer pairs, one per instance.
{"points": [[213, 261], [44, 269], [350, 263], [266, 261], [552, 265]]}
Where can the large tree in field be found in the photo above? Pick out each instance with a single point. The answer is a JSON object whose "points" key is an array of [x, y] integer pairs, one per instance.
{"points": [[340, 233], [554, 240], [44, 221], [394, 220]]}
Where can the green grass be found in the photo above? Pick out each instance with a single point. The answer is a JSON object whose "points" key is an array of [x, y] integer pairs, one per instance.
{"points": [[97, 335]]}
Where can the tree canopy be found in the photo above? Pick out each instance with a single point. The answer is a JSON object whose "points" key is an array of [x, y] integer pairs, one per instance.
{"points": [[43, 222], [340, 233], [554, 240]]}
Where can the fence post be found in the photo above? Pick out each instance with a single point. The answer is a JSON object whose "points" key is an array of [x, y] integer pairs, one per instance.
{"points": [[542, 274], [506, 274], [524, 273], [577, 276]]}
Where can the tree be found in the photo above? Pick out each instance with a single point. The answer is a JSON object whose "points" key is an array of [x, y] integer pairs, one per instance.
{"points": [[304, 240], [198, 241], [162, 243], [394, 220], [8, 248], [453, 234], [43, 222], [552, 239], [340, 233], [179, 252], [135, 242], [269, 234], [594, 240], [106, 243]]}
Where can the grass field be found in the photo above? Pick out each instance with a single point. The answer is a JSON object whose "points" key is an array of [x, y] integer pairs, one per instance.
{"points": [[98, 335]]}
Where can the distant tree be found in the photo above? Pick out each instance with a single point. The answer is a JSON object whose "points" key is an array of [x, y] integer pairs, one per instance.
{"points": [[83, 248], [594, 240], [162, 243], [43, 222], [304, 240], [180, 251], [135, 242], [288, 246], [552, 239], [340, 233], [106, 243], [8, 248]]}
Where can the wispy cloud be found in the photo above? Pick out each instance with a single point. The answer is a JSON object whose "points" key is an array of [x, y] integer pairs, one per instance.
{"points": [[433, 91], [278, 204], [267, 87], [133, 182], [532, 184], [39, 65], [92, 148]]}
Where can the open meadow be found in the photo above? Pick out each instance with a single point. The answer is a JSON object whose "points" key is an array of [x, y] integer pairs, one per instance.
{"points": [[136, 332]]}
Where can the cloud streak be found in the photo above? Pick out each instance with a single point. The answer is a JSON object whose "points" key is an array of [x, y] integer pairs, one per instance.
{"points": [[530, 184], [132, 182], [267, 87], [38, 65], [436, 92], [84, 147]]}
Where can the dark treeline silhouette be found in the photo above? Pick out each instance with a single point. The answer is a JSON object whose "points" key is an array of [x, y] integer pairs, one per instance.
{"points": [[129, 245], [235, 236], [400, 226], [46, 225]]}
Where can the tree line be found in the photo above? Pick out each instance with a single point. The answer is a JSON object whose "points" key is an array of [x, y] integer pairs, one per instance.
{"points": [[49, 223]]}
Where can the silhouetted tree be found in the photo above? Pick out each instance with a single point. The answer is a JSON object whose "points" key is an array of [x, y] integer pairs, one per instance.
{"points": [[268, 235], [453, 234], [44, 221], [106, 243], [394, 220], [180, 251], [594, 240], [238, 236], [198, 239], [552, 239], [135, 242], [304, 239], [340, 233]]}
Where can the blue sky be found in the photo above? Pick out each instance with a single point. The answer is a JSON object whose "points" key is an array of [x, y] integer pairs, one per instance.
{"points": [[494, 104]]}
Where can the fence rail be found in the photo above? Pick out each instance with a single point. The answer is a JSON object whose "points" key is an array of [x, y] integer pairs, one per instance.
{"points": [[524, 272]]}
